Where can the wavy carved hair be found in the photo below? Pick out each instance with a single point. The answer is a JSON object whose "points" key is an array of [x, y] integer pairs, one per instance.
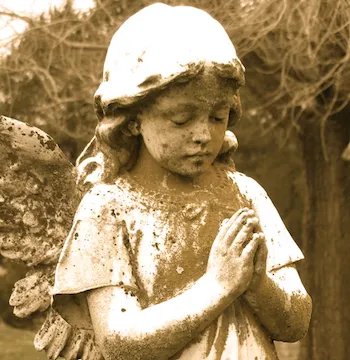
{"points": [[114, 149]]}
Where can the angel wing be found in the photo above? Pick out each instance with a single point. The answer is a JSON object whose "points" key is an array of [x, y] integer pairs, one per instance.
{"points": [[38, 199]]}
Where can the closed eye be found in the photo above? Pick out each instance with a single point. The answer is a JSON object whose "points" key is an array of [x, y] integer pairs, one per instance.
{"points": [[179, 124], [180, 119], [217, 119]]}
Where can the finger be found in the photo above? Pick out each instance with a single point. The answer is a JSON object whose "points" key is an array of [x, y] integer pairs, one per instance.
{"points": [[257, 226], [251, 212], [242, 222], [261, 254], [227, 223], [251, 248], [243, 236], [236, 215]]}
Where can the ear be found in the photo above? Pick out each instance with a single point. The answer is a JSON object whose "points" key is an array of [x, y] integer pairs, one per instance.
{"points": [[230, 143], [133, 128], [235, 111]]}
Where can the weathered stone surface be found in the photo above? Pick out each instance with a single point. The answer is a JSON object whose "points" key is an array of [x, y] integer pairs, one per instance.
{"points": [[37, 193], [172, 253], [38, 198], [32, 293], [60, 339]]}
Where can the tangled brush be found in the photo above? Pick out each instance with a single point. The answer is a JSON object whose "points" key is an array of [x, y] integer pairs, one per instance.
{"points": [[302, 45]]}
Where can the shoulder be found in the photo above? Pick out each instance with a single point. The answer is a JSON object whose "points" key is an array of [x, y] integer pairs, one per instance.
{"points": [[282, 250], [257, 198], [95, 253], [101, 194], [100, 199], [248, 187]]}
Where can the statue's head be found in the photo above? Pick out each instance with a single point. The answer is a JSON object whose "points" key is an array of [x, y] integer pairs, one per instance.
{"points": [[161, 53], [161, 45]]}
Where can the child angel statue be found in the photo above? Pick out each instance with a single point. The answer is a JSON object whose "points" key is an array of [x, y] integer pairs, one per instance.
{"points": [[172, 253]]}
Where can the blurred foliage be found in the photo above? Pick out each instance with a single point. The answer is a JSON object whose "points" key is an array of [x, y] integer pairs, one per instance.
{"points": [[17, 344], [296, 51], [53, 69], [56, 65], [296, 54]]}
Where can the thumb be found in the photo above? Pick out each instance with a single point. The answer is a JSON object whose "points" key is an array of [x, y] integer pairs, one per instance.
{"points": [[261, 254]]}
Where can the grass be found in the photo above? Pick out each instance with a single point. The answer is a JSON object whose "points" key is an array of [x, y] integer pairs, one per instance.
{"points": [[17, 344]]}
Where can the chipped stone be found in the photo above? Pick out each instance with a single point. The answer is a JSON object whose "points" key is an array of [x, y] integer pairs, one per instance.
{"points": [[30, 219], [154, 200], [179, 270]]}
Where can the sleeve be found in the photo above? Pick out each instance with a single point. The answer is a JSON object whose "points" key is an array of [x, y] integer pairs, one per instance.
{"points": [[282, 249], [96, 252]]}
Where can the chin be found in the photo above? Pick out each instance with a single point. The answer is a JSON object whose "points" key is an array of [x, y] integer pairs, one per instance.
{"points": [[190, 172], [190, 169]]}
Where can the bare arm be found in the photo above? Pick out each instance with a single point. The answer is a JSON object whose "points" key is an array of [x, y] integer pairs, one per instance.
{"points": [[279, 299], [125, 331]]}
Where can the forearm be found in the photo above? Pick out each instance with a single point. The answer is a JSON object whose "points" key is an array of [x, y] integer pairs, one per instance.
{"points": [[283, 309], [160, 331]]}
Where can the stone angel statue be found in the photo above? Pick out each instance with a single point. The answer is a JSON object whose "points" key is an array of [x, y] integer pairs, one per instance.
{"points": [[39, 197], [153, 246]]}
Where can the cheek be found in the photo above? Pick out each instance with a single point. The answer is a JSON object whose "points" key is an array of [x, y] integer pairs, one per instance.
{"points": [[162, 150], [217, 135], [168, 150], [147, 132], [164, 142], [157, 141]]}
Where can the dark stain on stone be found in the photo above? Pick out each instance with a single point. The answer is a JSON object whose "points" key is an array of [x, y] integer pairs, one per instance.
{"points": [[151, 80]]}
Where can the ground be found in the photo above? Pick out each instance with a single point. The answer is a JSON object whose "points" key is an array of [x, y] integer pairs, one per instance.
{"points": [[17, 344]]}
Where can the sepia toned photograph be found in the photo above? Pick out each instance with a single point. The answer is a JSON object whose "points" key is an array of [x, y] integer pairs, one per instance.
{"points": [[174, 180]]}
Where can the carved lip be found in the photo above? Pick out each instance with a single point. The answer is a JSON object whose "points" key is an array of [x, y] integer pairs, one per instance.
{"points": [[199, 154]]}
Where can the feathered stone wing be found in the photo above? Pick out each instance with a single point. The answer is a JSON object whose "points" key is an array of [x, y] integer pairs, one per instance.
{"points": [[38, 199]]}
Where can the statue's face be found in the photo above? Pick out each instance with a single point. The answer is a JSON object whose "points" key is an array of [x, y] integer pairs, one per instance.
{"points": [[184, 128]]}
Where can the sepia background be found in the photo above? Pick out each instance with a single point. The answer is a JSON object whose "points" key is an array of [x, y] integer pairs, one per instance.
{"points": [[293, 136]]}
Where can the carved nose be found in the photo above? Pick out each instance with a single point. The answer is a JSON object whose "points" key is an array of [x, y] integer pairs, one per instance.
{"points": [[202, 134]]}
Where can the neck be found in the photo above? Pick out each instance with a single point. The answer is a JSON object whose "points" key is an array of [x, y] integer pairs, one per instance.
{"points": [[151, 175]]}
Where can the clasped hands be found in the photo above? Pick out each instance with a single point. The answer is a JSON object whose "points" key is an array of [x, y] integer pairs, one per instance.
{"points": [[238, 255]]}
